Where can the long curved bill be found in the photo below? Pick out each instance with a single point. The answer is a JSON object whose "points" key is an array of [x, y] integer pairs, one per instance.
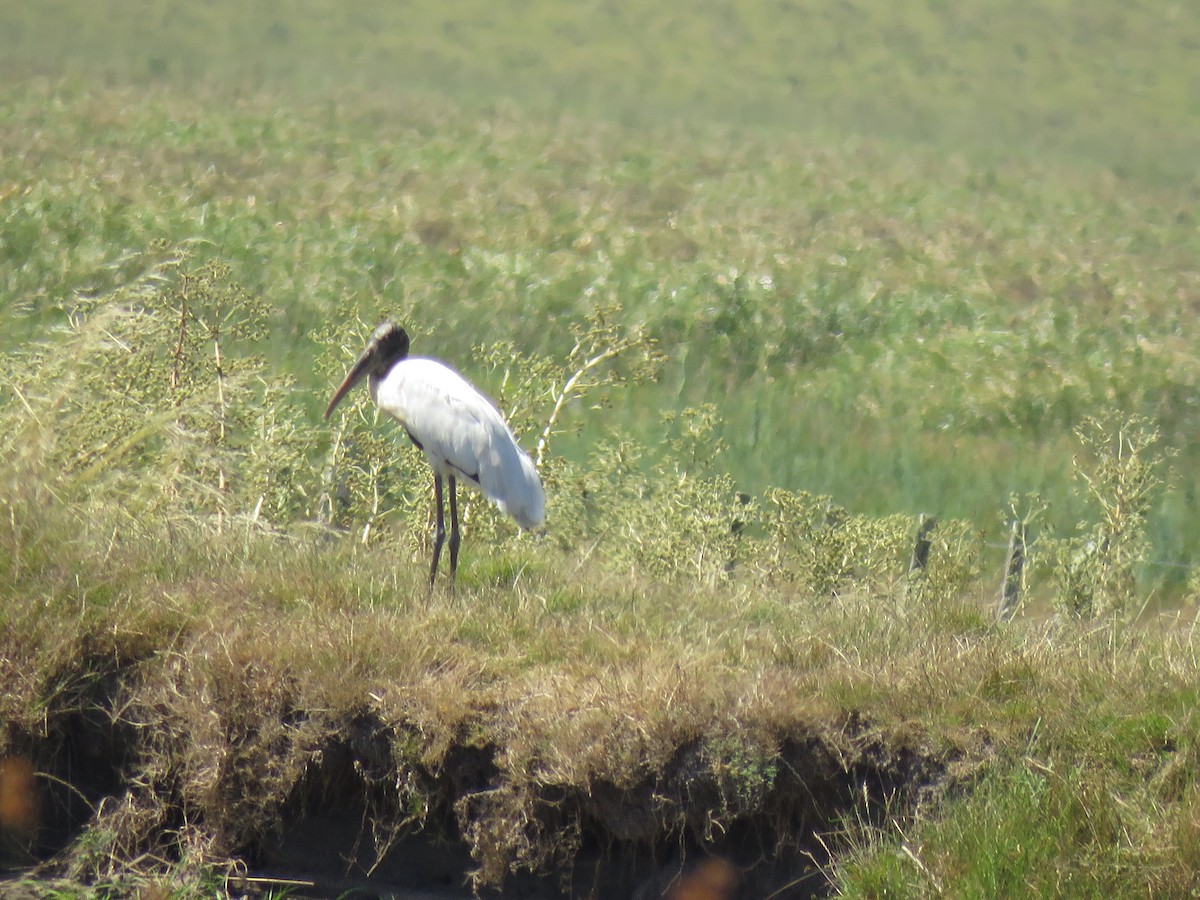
{"points": [[355, 376]]}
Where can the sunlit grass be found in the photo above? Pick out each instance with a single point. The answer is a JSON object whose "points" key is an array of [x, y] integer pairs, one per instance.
{"points": [[582, 674], [832, 298], [901, 250]]}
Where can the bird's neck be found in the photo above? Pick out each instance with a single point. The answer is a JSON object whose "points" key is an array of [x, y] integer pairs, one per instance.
{"points": [[381, 372]]}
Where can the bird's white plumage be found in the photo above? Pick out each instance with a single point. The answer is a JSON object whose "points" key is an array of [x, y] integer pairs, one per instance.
{"points": [[462, 434]]}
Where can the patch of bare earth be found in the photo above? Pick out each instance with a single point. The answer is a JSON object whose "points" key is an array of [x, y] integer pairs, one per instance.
{"points": [[354, 803]]}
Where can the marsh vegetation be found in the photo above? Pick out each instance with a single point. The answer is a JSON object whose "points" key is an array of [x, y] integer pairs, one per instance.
{"points": [[759, 298]]}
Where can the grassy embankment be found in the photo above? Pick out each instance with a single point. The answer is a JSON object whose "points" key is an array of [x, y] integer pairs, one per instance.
{"points": [[906, 328]]}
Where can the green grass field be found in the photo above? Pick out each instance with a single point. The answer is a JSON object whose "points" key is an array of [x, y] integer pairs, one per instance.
{"points": [[867, 261]]}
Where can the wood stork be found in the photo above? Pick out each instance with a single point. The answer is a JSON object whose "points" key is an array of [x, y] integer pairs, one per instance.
{"points": [[461, 433]]}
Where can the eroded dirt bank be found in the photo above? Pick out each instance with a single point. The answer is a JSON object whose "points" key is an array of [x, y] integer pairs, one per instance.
{"points": [[325, 802]]}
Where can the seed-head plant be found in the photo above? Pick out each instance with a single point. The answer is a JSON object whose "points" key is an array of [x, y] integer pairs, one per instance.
{"points": [[956, 561], [820, 545], [153, 398], [1121, 471], [607, 353], [680, 518]]}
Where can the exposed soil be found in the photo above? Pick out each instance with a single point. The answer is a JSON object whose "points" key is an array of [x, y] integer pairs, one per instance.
{"points": [[356, 822]]}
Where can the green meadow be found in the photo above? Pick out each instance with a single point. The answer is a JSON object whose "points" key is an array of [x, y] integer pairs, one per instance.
{"points": [[762, 285]]}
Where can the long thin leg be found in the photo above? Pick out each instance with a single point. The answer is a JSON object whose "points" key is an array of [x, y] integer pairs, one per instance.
{"points": [[454, 536], [439, 533]]}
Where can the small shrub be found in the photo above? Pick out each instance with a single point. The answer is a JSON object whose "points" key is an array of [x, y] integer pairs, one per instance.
{"points": [[813, 541], [1095, 572], [154, 398]]}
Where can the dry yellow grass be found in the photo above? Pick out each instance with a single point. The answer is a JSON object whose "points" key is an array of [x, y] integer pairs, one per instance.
{"points": [[283, 679]]}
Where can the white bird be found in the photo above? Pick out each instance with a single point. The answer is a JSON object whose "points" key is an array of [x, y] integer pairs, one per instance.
{"points": [[461, 433]]}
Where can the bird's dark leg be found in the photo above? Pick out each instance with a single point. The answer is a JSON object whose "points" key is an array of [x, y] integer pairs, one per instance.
{"points": [[439, 533], [454, 536]]}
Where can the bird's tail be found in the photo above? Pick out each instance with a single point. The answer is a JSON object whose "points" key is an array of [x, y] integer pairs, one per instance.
{"points": [[521, 496], [530, 512]]}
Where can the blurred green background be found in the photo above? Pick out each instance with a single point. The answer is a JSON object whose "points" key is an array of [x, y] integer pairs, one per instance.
{"points": [[1105, 82], [904, 247]]}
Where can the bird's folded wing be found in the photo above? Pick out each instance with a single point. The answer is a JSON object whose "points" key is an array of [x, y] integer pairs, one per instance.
{"points": [[464, 435]]}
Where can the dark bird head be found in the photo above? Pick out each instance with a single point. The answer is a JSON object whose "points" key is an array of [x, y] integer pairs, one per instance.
{"points": [[388, 345]]}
